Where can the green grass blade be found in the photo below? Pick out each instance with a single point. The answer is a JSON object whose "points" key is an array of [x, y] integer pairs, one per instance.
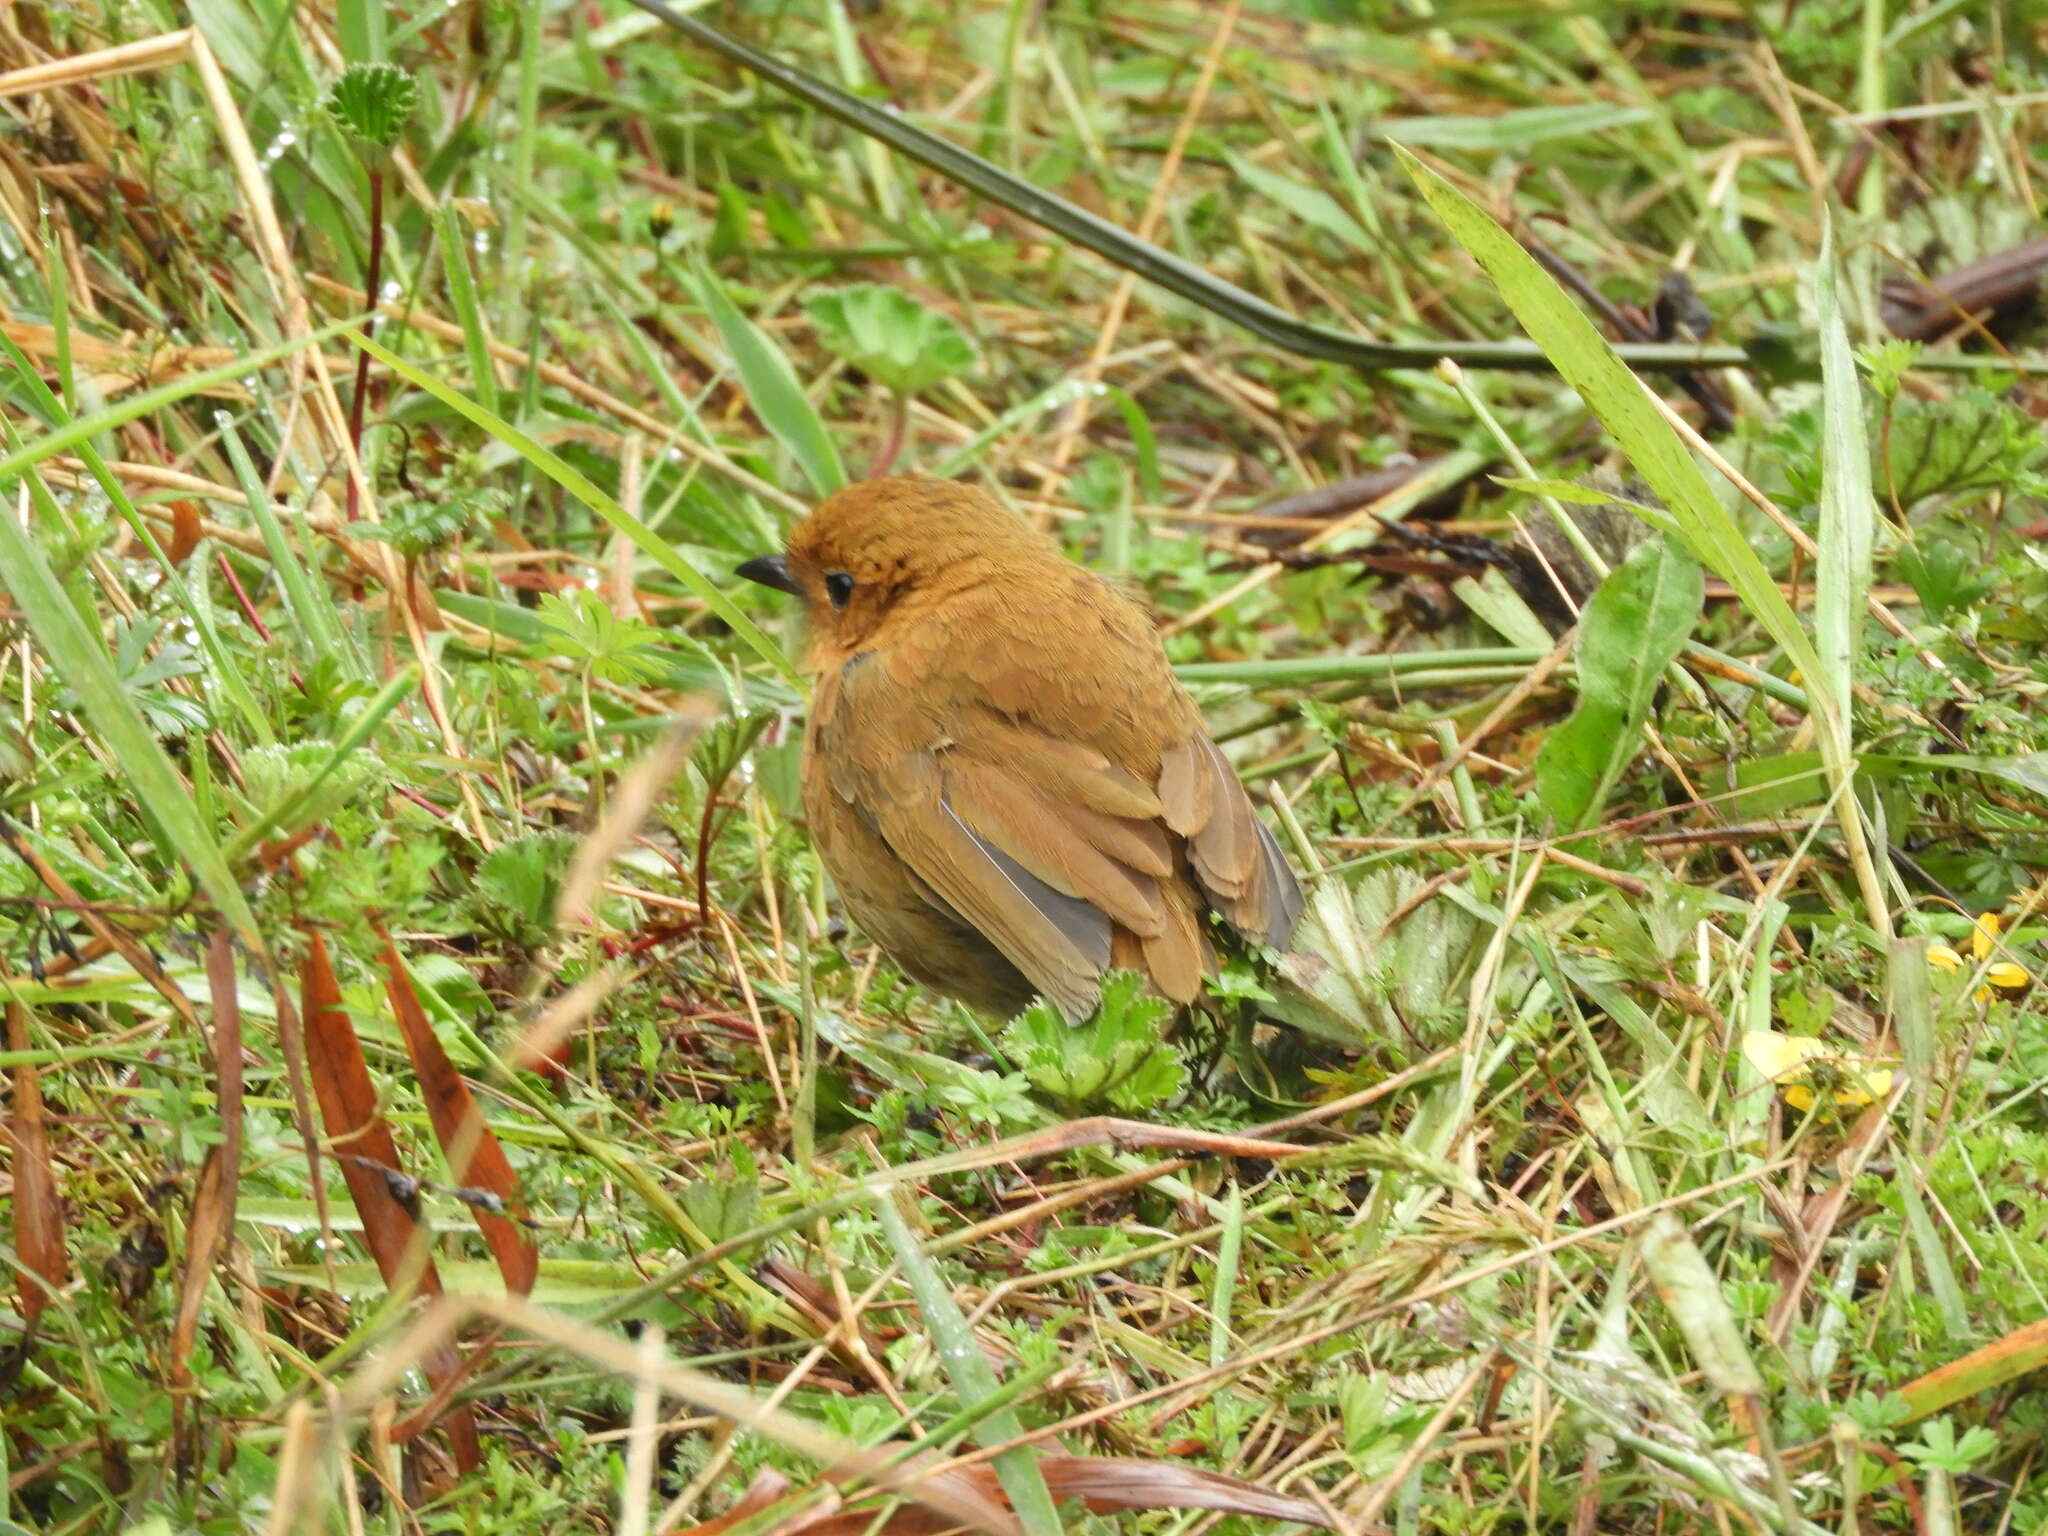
{"points": [[320, 629], [79, 657], [1848, 512], [578, 485], [772, 389], [968, 1370], [1586, 361], [483, 378]]}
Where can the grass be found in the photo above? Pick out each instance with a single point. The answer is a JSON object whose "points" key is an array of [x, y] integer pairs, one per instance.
{"points": [[397, 909]]}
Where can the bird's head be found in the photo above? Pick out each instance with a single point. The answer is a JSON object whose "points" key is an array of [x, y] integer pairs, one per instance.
{"points": [[869, 549]]}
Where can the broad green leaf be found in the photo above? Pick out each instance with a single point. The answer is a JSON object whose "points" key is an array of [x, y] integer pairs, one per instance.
{"points": [[1766, 786], [1688, 1286], [1492, 600], [2028, 772], [772, 389], [1632, 630]]}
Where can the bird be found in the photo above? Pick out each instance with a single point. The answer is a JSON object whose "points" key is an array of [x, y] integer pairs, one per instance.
{"points": [[1010, 789]]}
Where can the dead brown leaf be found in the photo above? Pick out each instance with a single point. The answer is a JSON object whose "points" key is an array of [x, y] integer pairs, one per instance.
{"points": [[213, 1203], [38, 1213], [1104, 1484], [466, 1139], [368, 1155]]}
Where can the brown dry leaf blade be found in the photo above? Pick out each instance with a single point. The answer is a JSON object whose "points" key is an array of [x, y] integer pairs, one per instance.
{"points": [[38, 1215], [1102, 1483], [348, 1108], [213, 1204], [1105, 1483], [2020, 1352], [185, 531], [118, 367], [472, 1150]]}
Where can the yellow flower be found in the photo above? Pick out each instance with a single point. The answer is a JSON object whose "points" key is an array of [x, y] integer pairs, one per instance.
{"points": [[1796, 1063], [2006, 975], [1983, 935]]}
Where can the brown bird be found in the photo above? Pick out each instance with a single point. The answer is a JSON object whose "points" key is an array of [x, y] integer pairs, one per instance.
{"points": [[1006, 781]]}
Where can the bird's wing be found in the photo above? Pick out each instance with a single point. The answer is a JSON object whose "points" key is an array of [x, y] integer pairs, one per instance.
{"points": [[1234, 856], [1088, 829], [1121, 717], [885, 761]]}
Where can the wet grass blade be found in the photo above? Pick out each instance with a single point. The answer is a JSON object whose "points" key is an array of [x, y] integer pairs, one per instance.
{"points": [[968, 1369]]}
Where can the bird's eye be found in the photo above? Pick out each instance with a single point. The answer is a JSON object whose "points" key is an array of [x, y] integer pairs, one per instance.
{"points": [[839, 587]]}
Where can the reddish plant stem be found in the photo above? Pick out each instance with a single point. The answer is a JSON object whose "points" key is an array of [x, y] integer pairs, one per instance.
{"points": [[704, 855], [899, 423], [227, 569], [373, 284]]}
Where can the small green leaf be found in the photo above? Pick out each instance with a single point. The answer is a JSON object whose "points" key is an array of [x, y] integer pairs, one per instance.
{"points": [[1117, 1057], [298, 785], [583, 628], [372, 102], [1632, 629], [723, 747], [1940, 1447], [901, 344], [418, 525], [724, 1208], [518, 882]]}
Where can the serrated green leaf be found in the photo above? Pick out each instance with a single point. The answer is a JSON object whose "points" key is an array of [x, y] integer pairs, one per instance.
{"points": [[1117, 1056], [372, 102]]}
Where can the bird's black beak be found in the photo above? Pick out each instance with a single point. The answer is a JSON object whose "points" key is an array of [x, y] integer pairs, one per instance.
{"points": [[771, 571]]}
